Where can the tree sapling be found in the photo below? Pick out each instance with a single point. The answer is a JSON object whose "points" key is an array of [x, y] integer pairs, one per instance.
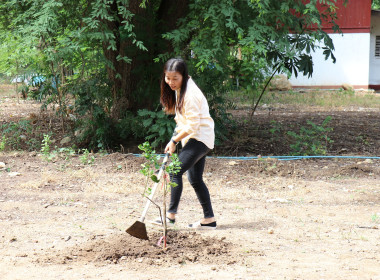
{"points": [[148, 170]]}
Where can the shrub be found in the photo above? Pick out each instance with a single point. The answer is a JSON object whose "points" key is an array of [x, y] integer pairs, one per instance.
{"points": [[311, 140], [159, 126]]}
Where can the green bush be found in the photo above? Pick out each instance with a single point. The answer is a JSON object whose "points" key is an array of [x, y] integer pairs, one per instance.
{"points": [[20, 135], [312, 140], [130, 126], [159, 126], [93, 105], [3, 143]]}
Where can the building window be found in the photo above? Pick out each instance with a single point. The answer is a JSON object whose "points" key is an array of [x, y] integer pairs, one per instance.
{"points": [[377, 47]]}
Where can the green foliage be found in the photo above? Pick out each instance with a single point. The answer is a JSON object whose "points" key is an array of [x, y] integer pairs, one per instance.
{"points": [[3, 143], [375, 218], [375, 4], [275, 129], [148, 170], [159, 127], [93, 104], [23, 89], [173, 168], [363, 139], [66, 153], [130, 126], [16, 57], [244, 42], [45, 147], [102, 52], [152, 164], [260, 28], [19, 135], [311, 140], [86, 157], [50, 154]]}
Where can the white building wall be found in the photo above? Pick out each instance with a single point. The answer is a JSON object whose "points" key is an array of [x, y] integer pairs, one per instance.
{"points": [[351, 67], [374, 66]]}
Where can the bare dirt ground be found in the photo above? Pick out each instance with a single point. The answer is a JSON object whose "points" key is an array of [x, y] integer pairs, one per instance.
{"points": [[300, 219]]}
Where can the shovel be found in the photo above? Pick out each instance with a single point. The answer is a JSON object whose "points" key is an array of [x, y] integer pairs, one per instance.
{"points": [[138, 229]]}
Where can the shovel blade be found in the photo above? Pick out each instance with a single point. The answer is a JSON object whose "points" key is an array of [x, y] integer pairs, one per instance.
{"points": [[138, 230]]}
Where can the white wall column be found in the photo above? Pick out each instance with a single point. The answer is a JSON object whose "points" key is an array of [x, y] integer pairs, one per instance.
{"points": [[374, 66], [352, 65]]}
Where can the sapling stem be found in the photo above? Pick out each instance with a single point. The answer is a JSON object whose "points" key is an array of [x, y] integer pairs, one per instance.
{"points": [[147, 171], [159, 208], [164, 222]]}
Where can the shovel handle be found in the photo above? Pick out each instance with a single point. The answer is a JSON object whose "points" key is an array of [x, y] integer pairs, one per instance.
{"points": [[162, 168]]}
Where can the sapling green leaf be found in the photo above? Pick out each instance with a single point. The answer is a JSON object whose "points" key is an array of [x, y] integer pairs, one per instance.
{"points": [[154, 178], [148, 170]]}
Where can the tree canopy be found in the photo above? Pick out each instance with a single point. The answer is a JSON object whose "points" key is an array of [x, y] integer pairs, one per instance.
{"points": [[108, 54], [376, 4]]}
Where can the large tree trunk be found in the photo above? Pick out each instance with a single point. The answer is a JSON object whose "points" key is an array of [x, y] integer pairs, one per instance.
{"points": [[168, 14], [120, 74], [163, 19]]}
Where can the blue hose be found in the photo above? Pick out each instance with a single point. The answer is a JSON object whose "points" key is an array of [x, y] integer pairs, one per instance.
{"points": [[285, 157]]}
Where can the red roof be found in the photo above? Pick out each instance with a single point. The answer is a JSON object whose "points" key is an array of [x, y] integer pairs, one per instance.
{"points": [[355, 17]]}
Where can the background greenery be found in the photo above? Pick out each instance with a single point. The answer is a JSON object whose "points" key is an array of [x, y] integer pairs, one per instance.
{"points": [[376, 4], [101, 60]]}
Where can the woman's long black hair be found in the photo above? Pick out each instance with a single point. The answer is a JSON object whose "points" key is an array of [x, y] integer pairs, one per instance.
{"points": [[167, 99]]}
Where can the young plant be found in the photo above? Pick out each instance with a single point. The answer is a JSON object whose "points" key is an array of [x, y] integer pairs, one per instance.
{"points": [[3, 143], [86, 158], [66, 153], [172, 168], [312, 140], [45, 147], [375, 218], [275, 129], [148, 170], [149, 167]]}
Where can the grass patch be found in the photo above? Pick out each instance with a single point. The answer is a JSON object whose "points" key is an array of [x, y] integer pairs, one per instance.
{"points": [[321, 98]]}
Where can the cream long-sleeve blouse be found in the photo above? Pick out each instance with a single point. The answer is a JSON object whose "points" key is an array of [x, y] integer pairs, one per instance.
{"points": [[195, 118]]}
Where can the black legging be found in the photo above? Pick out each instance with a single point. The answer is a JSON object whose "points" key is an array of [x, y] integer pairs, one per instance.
{"points": [[192, 158]]}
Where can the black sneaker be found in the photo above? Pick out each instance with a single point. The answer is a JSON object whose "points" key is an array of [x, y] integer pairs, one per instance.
{"points": [[198, 225]]}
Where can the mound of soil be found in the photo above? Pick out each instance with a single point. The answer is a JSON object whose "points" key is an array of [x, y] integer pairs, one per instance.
{"points": [[356, 170], [182, 247]]}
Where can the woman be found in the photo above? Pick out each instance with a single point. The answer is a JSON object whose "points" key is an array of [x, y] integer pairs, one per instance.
{"points": [[195, 131]]}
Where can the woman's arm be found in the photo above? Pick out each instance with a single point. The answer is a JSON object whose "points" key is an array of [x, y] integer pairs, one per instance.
{"points": [[170, 147]]}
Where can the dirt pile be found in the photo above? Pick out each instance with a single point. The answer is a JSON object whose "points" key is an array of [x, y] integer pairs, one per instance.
{"points": [[181, 248], [356, 170]]}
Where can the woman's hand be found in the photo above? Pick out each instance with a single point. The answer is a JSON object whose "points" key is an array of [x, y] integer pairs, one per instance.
{"points": [[170, 148]]}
